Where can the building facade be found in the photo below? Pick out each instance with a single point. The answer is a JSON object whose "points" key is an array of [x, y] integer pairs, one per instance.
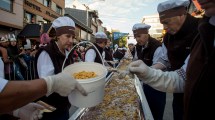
{"points": [[88, 17], [11, 20], [15, 14], [156, 27], [42, 11], [100, 27]]}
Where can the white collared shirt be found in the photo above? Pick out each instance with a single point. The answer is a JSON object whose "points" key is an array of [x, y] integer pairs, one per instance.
{"points": [[162, 57], [45, 65], [156, 55], [3, 83], [90, 55], [1, 68]]}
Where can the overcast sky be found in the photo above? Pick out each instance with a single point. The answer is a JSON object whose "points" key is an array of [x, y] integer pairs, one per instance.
{"points": [[121, 14]]}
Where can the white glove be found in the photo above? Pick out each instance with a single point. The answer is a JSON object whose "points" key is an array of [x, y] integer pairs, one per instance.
{"points": [[63, 84], [30, 111], [162, 81], [122, 74]]}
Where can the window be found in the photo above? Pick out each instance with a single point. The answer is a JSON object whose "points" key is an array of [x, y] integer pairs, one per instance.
{"points": [[93, 19], [47, 3], [30, 18], [6, 5], [83, 35], [59, 10], [94, 28]]}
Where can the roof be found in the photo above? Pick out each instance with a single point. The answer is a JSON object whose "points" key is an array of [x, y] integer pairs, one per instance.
{"points": [[79, 17], [30, 31]]}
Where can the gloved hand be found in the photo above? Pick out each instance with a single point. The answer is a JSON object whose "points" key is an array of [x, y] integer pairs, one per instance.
{"points": [[30, 111], [139, 68], [162, 81], [122, 74], [128, 57], [63, 84]]}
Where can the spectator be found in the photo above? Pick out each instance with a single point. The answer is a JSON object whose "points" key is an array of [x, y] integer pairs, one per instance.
{"points": [[15, 56], [5, 58]]}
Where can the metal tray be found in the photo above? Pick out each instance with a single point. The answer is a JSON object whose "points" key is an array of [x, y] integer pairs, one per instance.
{"points": [[145, 111]]}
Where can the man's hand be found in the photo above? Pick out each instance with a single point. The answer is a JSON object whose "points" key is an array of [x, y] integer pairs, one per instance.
{"points": [[63, 84], [123, 73], [159, 80], [30, 111], [139, 68]]}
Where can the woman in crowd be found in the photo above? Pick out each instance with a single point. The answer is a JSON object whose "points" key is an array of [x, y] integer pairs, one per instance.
{"points": [[49, 61], [15, 56]]}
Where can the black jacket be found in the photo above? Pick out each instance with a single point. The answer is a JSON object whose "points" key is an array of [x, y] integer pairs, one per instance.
{"points": [[178, 45], [199, 88]]}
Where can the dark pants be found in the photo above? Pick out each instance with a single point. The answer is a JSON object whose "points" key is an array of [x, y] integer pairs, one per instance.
{"points": [[14, 72], [177, 106], [156, 100], [17, 72]]}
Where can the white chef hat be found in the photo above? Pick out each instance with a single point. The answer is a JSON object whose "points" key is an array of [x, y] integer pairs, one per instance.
{"points": [[172, 8], [64, 25], [140, 28], [28, 45], [4, 39], [131, 43], [12, 37], [101, 37]]}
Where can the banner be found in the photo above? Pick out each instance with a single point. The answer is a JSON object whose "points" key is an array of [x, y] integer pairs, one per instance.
{"points": [[118, 35], [119, 38]]}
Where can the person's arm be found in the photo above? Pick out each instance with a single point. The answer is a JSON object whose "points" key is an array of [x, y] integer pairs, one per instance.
{"points": [[45, 66], [159, 66], [33, 53], [157, 55], [161, 60], [173, 81], [135, 54], [90, 56], [18, 93], [4, 55]]}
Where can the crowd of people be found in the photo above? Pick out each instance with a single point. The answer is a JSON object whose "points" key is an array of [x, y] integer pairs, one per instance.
{"points": [[182, 64], [40, 68]]}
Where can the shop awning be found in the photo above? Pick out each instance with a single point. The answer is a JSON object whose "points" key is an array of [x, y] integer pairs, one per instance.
{"points": [[46, 27], [30, 31]]}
